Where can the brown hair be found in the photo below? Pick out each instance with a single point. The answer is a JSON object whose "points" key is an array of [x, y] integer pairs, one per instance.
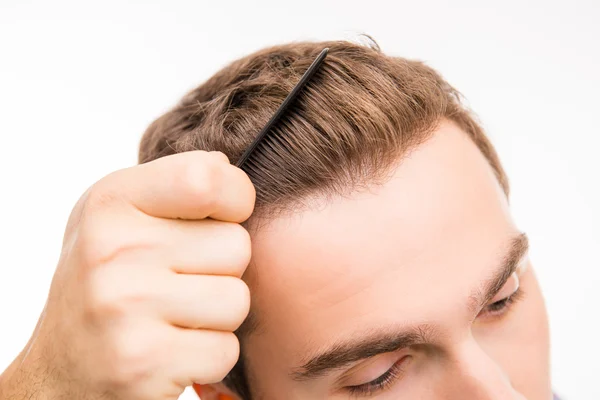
{"points": [[360, 113]]}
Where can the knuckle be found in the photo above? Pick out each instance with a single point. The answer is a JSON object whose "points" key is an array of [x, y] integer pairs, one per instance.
{"points": [[240, 246], [132, 356], [227, 352], [249, 186], [98, 243], [239, 295], [220, 156], [112, 293], [100, 234], [102, 297], [199, 180], [94, 245], [252, 193], [101, 195]]}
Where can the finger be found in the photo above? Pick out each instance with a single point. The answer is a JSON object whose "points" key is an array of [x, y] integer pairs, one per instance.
{"points": [[204, 301], [191, 185], [206, 247], [203, 356], [190, 247]]}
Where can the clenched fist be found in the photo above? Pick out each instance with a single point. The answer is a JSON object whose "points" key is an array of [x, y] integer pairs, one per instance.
{"points": [[147, 292]]}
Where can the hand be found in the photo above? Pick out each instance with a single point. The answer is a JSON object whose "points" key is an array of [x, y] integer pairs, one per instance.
{"points": [[147, 292]]}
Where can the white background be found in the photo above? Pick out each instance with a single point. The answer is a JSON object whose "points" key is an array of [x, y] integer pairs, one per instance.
{"points": [[80, 81]]}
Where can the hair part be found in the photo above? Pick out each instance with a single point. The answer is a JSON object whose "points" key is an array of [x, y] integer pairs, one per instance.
{"points": [[355, 119]]}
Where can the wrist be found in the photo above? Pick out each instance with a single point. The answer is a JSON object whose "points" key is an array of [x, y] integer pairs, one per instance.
{"points": [[26, 380]]}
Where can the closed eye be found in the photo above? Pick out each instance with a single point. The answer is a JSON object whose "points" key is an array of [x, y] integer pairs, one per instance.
{"points": [[499, 308], [383, 382]]}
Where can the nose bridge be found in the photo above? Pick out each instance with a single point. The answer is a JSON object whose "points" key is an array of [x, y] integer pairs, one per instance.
{"points": [[477, 376]]}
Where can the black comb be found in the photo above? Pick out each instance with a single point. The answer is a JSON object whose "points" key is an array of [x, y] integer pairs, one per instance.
{"points": [[290, 97]]}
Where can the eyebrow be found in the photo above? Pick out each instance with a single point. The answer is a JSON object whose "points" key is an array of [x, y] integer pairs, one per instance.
{"points": [[387, 340]]}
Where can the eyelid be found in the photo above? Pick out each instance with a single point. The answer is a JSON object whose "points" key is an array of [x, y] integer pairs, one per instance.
{"points": [[384, 381], [511, 286], [371, 369]]}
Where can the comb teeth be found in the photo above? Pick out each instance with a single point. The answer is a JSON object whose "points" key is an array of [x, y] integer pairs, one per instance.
{"points": [[283, 107]]}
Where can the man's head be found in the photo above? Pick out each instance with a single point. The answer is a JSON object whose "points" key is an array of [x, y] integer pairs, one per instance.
{"points": [[385, 261]]}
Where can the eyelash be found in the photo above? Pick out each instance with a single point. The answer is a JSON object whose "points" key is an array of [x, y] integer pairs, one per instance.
{"points": [[381, 383], [500, 307]]}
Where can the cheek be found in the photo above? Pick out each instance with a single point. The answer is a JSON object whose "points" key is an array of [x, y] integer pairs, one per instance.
{"points": [[520, 342]]}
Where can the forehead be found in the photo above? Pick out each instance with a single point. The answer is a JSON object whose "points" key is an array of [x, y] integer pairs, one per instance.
{"points": [[406, 251]]}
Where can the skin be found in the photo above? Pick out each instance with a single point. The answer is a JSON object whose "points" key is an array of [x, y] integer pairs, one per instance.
{"points": [[148, 288], [136, 307], [416, 250]]}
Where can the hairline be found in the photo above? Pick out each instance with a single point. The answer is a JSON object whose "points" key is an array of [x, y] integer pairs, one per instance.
{"points": [[256, 222]]}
